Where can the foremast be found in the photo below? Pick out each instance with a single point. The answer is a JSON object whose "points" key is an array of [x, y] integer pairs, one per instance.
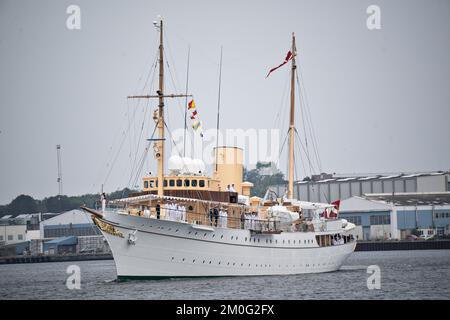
{"points": [[160, 123], [292, 123]]}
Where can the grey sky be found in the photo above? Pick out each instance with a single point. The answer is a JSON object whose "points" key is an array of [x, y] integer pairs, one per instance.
{"points": [[379, 99]]}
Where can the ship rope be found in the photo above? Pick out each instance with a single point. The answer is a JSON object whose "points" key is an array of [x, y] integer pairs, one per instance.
{"points": [[306, 115], [123, 133], [141, 162], [280, 121]]}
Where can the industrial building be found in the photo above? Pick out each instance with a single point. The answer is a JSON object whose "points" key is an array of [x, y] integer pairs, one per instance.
{"points": [[12, 230], [381, 219], [70, 223], [61, 245], [384, 207], [35, 234], [327, 187]]}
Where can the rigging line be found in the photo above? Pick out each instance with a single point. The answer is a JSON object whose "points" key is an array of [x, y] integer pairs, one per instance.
{"points": [[143, 124], [169, 52], [303, 116], [137, 104], [306, 153], [301, 160], [186, 102], [124, 134], [281, 149], [118, 133], [141, 163], [140, 137], [174, 84], [204, 57], [308, 117], [218, 109], [281, 108]]}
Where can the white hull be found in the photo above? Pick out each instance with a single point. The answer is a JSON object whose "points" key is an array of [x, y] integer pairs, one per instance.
{"points": [[176, 249]]}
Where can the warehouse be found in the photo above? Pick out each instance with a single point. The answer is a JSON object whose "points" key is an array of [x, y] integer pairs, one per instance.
{"points": [[381, 217], [327, 187], [70, 223]]}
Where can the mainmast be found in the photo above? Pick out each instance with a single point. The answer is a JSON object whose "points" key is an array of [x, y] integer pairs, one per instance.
{"points": [[160, 124], [292, 124]]}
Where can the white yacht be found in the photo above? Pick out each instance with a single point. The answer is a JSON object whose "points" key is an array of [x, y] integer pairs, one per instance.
{"points": [[176, 227]]}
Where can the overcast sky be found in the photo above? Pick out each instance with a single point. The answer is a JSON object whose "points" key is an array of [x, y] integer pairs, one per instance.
{"points": [[379, 99]]}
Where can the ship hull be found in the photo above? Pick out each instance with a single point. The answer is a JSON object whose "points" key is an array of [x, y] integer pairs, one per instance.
{"points": [[146, 248]]}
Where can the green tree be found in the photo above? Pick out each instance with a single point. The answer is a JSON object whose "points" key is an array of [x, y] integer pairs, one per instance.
{"points": [[261, 181], [22, 204]]}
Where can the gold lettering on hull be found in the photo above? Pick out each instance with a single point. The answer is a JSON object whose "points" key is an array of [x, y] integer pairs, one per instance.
{"points": [[106, 227]]}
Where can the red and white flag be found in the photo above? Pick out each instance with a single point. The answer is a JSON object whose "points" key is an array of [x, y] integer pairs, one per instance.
{"points": [[332, 212], [335, 211], [286, 60]]}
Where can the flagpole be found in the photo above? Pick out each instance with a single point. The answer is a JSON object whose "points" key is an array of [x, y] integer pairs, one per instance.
{"points": [[218, 108], [185, 105]]}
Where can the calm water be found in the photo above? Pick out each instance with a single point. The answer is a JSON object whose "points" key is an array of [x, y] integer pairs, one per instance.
{"points": [[404, 275]]}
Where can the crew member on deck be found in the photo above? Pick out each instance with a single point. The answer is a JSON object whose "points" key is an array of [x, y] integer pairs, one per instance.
{"points": [[216, 216], [103, 197], [158, 210]]}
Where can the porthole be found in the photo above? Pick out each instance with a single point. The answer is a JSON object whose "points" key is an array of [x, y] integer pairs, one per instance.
{"points": [[249, 264], [228, 264], [193, 261], [176, 230], [203, 261], [213, 235], [231, 237], [189, 232], [204, 235], [183, 259], [195, 233], [209, 262], [221, 237], [173, 258], [219, 262]]}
